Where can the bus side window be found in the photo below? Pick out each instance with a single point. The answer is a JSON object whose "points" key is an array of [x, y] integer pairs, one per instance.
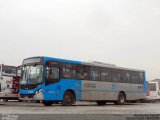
{"points": [[141, 76], [114, 77], [86, 70], [127, 77], [79, 72], [52, 75], [66, 72], [135, 77], [95, 74], [119, 77], [105, 75], [69, 71]]}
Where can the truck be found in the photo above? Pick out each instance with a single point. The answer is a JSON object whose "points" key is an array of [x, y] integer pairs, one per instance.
{"points": [[153, 92], [9, 82]]}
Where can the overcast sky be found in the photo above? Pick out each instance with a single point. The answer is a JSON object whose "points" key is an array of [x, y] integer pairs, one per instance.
{"points": [[121, 32]]}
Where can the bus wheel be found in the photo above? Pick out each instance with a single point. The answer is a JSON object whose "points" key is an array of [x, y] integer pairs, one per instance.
{"points": [[101, 103], [68, 99], [121, 99], [47, 103]]}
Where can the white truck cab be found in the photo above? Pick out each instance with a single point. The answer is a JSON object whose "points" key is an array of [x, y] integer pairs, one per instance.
{"points": [[9, 83], [153, 92]]}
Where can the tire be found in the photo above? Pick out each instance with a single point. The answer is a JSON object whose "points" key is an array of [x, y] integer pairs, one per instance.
{"points": [[47, 103], [68, 99], [100, 103], [5, 100], [121, 99]]}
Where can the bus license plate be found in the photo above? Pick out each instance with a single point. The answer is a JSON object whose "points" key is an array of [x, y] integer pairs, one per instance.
{"points": [[26, 97]]}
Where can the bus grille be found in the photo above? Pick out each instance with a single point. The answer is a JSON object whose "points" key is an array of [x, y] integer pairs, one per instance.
{"points": [[26, 96]]}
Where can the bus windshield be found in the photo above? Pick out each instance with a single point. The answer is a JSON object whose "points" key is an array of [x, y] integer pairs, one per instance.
{"points": [[32, 74]]}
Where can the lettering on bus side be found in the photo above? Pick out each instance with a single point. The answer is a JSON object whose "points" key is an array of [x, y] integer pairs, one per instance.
{"points": [[89, 85]]}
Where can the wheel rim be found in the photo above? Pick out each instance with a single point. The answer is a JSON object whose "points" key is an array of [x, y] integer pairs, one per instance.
{"points": [[68, 98], [122, 99]]}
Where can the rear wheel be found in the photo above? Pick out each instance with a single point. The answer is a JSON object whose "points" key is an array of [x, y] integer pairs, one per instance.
{"points": [[101, 103], [47, 103], [68, 99], [121, 99]]}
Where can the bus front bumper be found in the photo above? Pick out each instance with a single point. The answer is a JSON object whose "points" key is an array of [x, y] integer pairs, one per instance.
{"points": [[31, 97]]}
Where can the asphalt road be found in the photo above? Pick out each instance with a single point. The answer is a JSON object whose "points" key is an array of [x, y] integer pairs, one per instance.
{"points": [[80, 110]]}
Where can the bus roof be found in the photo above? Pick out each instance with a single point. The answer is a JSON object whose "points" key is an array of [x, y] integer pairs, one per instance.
{"points": [[94, 63], [100, 64], [56, 59]]}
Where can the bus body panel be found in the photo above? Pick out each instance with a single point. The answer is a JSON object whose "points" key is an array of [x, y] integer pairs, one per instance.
{"points": [[87, 90], [56, 91], [135, 92], [32, 94], [94, 90]]}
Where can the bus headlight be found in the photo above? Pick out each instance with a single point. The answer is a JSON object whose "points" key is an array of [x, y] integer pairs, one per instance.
{"points": [[38, 91]]}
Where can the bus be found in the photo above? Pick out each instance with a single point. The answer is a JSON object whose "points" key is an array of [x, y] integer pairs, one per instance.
{"points": [[9, 82], [66, 81]]}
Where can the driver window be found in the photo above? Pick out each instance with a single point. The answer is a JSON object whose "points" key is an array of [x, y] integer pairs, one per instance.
{"points": [[52, 74]]}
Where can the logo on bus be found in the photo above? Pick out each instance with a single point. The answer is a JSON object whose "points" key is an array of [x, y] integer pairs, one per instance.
{"points": [[89, 85]]}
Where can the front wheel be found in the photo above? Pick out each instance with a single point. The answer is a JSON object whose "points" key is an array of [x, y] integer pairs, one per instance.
{"points": [[68, 99], [121, 99], [47, 103]]}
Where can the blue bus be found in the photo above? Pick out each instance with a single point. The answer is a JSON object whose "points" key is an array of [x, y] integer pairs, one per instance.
{"points": [[64, 81]]}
